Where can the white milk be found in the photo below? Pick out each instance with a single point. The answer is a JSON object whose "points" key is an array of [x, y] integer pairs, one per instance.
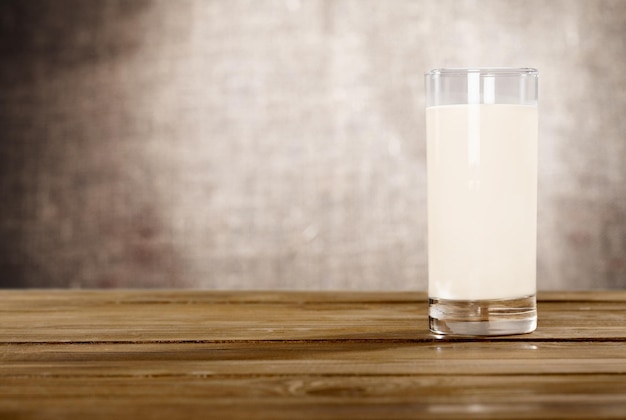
{"points": [[482, 201]]}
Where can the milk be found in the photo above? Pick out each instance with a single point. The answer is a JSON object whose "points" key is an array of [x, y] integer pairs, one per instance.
{"points": [[482, 201]]}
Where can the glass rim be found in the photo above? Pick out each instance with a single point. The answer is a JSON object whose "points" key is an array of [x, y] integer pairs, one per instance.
{"points": [[483, 71]]}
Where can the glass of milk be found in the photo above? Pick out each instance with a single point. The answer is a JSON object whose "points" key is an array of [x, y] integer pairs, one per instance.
{"points": [[481, 133]]}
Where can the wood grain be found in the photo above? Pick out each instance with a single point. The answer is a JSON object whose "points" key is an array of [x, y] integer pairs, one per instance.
{"points": [[193, 354], [138, 316]]}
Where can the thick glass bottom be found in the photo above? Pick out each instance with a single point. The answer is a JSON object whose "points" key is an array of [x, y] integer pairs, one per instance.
{"points": [[483, 317]]}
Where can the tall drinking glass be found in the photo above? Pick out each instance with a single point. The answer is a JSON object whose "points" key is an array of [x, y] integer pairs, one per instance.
{"points": [[481, 130]]}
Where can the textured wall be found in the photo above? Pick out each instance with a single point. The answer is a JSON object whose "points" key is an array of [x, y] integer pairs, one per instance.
{"points": [[280, 144]]}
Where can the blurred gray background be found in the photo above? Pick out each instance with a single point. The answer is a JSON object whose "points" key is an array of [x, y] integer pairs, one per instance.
{"points": [[280, 144]]}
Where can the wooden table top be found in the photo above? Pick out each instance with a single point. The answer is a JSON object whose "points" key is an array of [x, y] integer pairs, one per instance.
{"points": [[286, 355]]}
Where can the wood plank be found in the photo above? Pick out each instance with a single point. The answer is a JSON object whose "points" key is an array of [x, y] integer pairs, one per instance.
{"points": [[328, 358], [133, 316], [82, 297], [576, 396]]}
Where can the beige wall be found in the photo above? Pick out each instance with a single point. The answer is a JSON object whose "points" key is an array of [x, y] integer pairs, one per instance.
{"points": [[280, 144]]}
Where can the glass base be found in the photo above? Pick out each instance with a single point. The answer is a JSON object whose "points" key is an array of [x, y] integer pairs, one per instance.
{"points": [[483, 317]]}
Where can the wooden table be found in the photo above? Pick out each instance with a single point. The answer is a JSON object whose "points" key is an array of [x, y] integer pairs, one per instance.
{"points": [[292, 355]]}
